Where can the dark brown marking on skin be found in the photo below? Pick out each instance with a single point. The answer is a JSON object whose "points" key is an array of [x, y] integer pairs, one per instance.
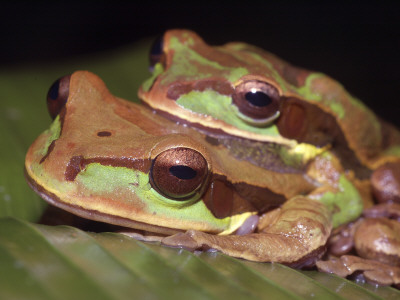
{"points": [[222, 87], [257, 196], [177, 89], [62, 115], [223, 198], [104, 133], [94, 214], [52, 145], [49, 150], [79, 163], [219, 198]]}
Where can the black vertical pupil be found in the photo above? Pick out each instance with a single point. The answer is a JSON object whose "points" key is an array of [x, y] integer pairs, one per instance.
{"points": [[53, 91], [258, 98], [183, 172]]}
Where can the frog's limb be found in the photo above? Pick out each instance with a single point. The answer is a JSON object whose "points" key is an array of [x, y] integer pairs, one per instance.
{"points": [[373, 271], [341, 241], [379, 239], [386, 210], [296, 237], [338, 190], [374, 236]]}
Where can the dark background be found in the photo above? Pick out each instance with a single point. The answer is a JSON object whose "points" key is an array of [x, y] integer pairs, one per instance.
{"points": [[356, 43]]}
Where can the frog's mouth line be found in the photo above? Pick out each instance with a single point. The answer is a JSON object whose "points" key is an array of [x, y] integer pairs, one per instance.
{"points": [[96, 215], [248, 225]]}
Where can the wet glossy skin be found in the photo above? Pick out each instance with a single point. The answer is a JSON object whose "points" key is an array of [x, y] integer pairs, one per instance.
{"points": [[106, 171], [110, 160], [197, 83], [200, 84]]}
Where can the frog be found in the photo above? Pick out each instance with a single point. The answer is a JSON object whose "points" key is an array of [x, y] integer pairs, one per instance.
{"points": [[243, 91], [119, 162]]}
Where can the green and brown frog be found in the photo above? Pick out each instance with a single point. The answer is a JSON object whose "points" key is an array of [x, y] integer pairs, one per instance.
{"points": [[235, 150]]}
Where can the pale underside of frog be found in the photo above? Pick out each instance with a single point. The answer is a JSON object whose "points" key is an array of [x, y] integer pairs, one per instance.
{"points": [[264, 186]]}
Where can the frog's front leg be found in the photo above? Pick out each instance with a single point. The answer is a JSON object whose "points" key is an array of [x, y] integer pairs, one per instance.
{"points": [[296, 236]]}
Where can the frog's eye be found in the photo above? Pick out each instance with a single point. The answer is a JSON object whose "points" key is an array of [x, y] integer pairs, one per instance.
{"points": [[57, 95], [179, 173], [156, 52], [258, 102]]}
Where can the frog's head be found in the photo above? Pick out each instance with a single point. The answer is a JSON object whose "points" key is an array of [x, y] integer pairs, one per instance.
{"points": [[247, 92], [110, 160]]}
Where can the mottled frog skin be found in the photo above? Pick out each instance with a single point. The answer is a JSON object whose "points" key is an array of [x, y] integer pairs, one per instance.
{"points": [[244, 91], [234, 150]]}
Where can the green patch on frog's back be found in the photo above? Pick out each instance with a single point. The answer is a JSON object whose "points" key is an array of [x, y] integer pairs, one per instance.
{"points": [[335, 105], [186, 62]]}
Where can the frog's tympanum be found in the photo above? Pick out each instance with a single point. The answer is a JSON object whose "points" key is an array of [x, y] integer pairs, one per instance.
{"points": [[234, 150]]}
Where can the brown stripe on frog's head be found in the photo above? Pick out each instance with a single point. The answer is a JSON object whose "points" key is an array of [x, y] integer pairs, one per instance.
{"points": [[227, 88]]}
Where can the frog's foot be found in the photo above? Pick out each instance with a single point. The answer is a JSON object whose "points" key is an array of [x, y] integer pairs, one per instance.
{"points": [[385, 182], [387, 210], [373, 271], [296, 237], [341, 241], [379, 239]]}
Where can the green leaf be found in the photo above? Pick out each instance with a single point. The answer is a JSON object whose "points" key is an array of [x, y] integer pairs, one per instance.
{"points": [[45, 262], [62, 262]]}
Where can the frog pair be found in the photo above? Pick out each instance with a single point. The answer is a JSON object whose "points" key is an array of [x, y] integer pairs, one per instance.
{"points": [[234, 150]]}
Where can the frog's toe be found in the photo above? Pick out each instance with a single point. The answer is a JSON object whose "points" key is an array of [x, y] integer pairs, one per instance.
{"points": [[386, 210], [379, 239], [181, 240], [385, 182], [372, 271]]}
